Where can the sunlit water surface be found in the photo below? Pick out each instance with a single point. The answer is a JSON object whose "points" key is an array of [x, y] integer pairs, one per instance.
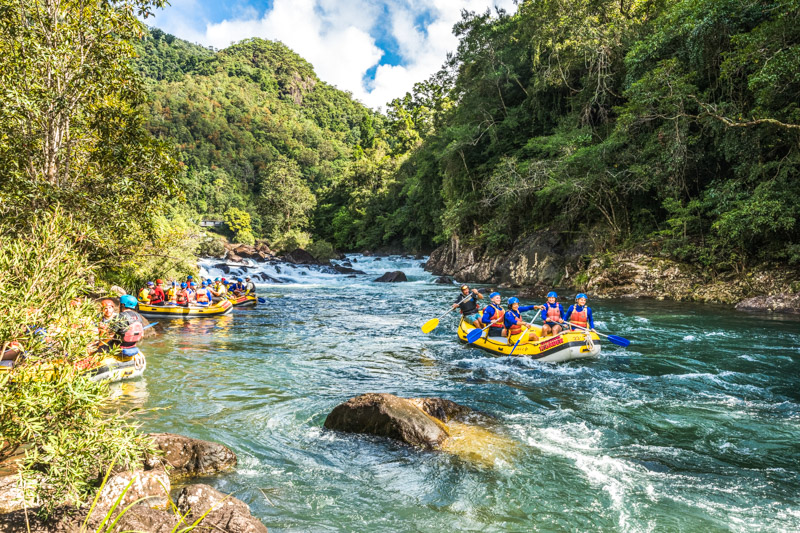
{"points": [[694, 427]]}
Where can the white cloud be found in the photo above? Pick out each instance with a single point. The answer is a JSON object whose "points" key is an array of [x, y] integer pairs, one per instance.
{"points": [[337, 37]]}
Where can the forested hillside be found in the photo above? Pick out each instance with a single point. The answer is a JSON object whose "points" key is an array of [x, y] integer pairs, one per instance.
{"points": [[671, 123]]}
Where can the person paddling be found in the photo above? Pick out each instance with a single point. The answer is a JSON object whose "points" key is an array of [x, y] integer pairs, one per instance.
{"points": [[553, 315], [172, 293], [203, 296], [157, 296], [249, 286], [470, 309], [182, 298], [127, 327], [514, 323], [493, 314], [579, 314], [218, 290]]}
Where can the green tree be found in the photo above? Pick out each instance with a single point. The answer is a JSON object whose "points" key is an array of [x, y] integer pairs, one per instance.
{"points": [[285, 202], [238, 222]]}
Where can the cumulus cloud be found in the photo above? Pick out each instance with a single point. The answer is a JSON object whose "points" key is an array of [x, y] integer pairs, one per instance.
{"points": [[341, 38]]}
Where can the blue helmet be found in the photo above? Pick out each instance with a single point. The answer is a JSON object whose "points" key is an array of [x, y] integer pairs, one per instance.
{"points": [[552, 294], [128, 301], [183, 285], [581, 295], [189, 277], [513, 300], [216, 279], [193, 284], [150, 284], [494, 294], [239, 280]]}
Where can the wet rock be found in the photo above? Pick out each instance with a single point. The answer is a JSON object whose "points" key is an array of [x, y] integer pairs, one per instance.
{"points": [[141, 517], [347, 264], [393, 277], [265, 277], [301, 257], [189, 457], [419, 257], [444, 410], [378, 259], [150, 487], [346, 270], [354, 260], [387, 415], [227, 513], [780, 303], [351, 276], [222, 266], [444, 280], [230, 256]]}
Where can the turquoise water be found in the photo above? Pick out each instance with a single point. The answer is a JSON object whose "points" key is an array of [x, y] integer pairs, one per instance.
{"points": [[694, 427]]}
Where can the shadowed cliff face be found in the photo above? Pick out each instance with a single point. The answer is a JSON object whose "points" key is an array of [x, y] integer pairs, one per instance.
{"points": [[543, 261]]}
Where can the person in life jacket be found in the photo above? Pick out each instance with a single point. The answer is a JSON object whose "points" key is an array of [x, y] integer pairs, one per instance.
{"points": [[470, 308], [157, 296], [191, 292], [144, 294], [553, 315], [218, 290], [239, 288], [172, 293], [203, 296], [183, 295], [108, 312], [514, 324], [127, 326], [579, 314], [249, 286], [493, 314]]}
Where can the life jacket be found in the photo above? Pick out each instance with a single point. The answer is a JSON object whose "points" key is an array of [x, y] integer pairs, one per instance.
{"points": [[517, 327], [182, 297], [135, 330], [469, 306], [497, 316], [553, 313], [220, 289], [580, 318], [172, 294], [202, 296], [157, 296], [144, 296]]}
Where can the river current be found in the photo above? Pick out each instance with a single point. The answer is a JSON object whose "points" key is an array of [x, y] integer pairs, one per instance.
{"points": [[694, 427]]}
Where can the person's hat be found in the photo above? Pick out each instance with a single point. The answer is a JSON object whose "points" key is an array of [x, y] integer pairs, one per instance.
{"points": [[150, 284], [159, 282], [494, 294], [513, 300], [552, 294], [128, 301]]}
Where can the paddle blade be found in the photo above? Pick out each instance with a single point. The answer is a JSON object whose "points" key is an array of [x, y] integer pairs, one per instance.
{"points": [[515, 346], [261, 300], [474, 335], [619, 341], [430, 325]]}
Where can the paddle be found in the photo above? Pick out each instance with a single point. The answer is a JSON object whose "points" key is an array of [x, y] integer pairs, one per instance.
{"points": [[431, 324], [615, 339], [476, 334], [150, 325], [524, 333], [261, 300]]}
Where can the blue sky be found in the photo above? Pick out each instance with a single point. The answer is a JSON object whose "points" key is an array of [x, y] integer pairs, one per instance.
{"points": [[376, 49]]}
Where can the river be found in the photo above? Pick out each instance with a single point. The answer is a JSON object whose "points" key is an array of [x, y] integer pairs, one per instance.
{"points": [[694, 427]]}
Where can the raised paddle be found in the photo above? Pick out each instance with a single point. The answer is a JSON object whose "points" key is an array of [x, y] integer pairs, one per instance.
{"points": [[615, 339], [431, 324], [524, 333]]}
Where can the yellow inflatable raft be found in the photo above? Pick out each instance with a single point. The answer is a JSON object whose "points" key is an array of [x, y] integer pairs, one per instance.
{"points": [[563, 347], [111, 368], [177, 311], [243, 300]]}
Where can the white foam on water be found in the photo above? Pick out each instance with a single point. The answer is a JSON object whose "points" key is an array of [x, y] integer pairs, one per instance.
{"points": [[689, 337], [641, 319]]}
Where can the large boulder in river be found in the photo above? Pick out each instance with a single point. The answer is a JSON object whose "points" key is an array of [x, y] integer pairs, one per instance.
{"points": [[225, 513], [301, 257], [347, 270], [146, 486], [189, 457], [386, 415], [393, 277], [443, 280], [779, 303]]}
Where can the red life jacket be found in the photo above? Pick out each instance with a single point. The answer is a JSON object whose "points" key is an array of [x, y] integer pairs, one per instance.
{"points": [[156, 296], [580, 318], [183, 297], [497, 316], [135, 330], [553, 313], [202, 296], [517, 327]]}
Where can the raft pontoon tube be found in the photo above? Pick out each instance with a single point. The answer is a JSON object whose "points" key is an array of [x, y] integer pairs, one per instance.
{"points": [[178, 311]]}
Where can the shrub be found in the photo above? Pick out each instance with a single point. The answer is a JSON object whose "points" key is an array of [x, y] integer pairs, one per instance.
{"points": [[69, 432]]}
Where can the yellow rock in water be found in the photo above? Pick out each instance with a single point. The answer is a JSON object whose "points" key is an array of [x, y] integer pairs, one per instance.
{"points": [[478, 445]]}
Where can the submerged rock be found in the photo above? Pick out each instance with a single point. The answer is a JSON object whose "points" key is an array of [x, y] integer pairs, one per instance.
{"points": [[189, 457], [386, 415], [346, 270], [222, 266], [227, 513], [443, 280], [780, 303], [393, 277]]}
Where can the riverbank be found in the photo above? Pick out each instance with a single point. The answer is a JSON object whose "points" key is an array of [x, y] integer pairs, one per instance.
{"points": [[543, 261]]}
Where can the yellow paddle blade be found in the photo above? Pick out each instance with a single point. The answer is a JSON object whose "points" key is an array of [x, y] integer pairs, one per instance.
{"points": [[430, 325]]}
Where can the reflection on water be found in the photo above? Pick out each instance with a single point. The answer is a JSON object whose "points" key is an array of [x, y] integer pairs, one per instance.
{"points": [[695, 426]]}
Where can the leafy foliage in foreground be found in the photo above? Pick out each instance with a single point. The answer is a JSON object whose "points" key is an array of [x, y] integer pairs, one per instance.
{"points": [[64, 422]]}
